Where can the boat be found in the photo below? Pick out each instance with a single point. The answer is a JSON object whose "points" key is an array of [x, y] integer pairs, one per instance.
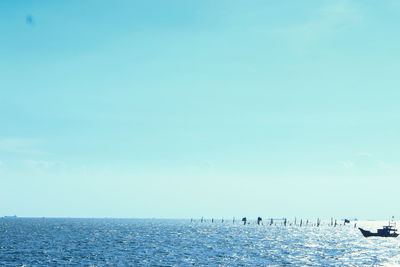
{"points": [[386, 231]]}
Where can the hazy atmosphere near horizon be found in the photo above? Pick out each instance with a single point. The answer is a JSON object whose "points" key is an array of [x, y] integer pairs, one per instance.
{"points": [[180, 109]]}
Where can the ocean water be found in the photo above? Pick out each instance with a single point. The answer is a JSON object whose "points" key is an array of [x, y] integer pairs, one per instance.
{"points": [[137, 242]]}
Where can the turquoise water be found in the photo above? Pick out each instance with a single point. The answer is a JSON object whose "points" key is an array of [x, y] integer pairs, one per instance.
{"points": [[136, 242]]}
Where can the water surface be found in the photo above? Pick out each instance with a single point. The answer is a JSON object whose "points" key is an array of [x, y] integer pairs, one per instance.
{"points": [[99, 242]]}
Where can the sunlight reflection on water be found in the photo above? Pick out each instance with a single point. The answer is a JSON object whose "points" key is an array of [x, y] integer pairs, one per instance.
{"points": [[179, 242]]}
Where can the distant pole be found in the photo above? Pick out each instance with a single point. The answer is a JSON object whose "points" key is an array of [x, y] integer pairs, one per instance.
{"points": [[307, 222], [301, 222], [284, 222], [294, 220], [331, 221], [191, 220], [222, 220], [212, 220], [233, 221], [335, 223], [202, 219]]}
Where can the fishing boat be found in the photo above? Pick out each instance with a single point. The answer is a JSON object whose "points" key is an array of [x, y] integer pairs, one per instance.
{"points": [[386, 231]]}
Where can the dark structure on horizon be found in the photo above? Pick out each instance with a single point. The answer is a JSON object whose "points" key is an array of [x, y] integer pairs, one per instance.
{"points": [[386, 231]]}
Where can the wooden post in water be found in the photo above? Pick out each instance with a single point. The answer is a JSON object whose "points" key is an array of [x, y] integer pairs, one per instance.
{"points": [[318, 222], [212, 220], [307, 222], [335, 223], [201, 219], [233, 221], [294, 220], [301, 222], [284, 222], [331, 221]]}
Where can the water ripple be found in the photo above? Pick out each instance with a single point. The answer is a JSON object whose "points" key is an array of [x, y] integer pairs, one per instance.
{"points": [[120, 242]]}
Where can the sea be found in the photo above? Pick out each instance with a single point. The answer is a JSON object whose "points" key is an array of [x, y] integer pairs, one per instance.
{"points": [[170, 242]]}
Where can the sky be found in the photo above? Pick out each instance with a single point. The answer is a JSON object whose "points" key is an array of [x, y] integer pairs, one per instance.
{"points": [[181, 109]]}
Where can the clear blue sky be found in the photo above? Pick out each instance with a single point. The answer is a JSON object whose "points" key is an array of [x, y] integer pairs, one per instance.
{"points": [[199, 108]]}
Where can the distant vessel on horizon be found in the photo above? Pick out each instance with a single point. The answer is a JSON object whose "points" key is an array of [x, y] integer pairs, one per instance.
{"points": [[386, 231], [10, 217]]}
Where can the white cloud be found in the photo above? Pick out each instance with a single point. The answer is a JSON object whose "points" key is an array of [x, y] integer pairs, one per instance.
{"points": [[21, 145], [385, 165], [340, 11], [347, 164], [40, 163], [365, 154], [326, 21]]}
